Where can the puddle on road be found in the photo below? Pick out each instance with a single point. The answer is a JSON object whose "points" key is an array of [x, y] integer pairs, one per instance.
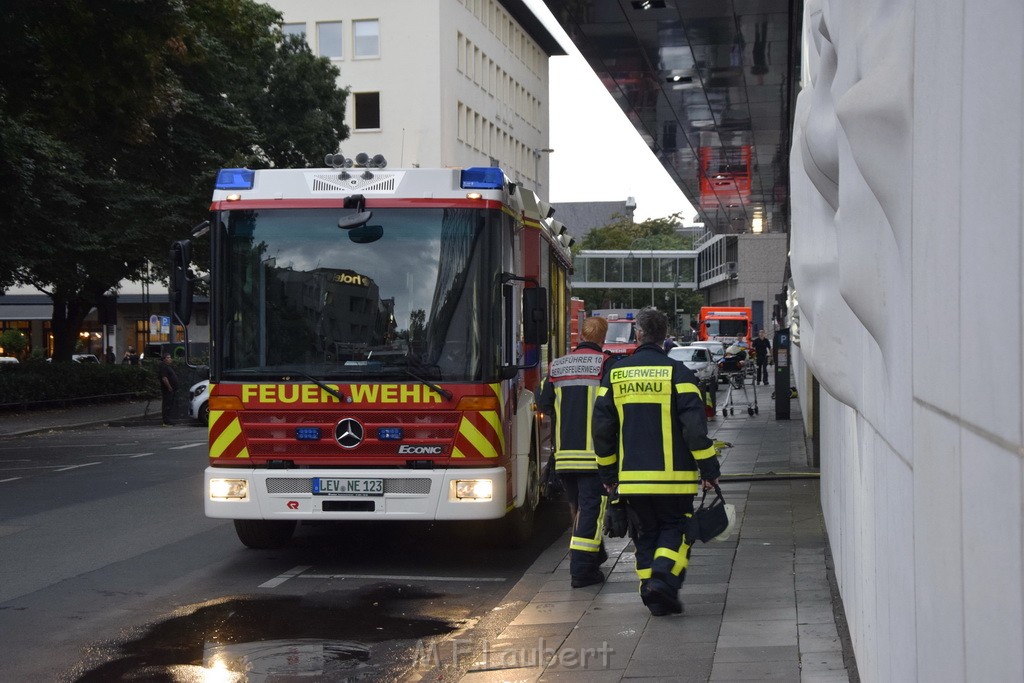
{"points": [[316, 637]]}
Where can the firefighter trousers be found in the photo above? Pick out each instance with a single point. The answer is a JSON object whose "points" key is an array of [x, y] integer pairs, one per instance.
{"points": [[662, 553], [588, 501]]}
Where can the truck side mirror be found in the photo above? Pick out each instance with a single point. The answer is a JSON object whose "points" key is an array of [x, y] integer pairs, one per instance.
{"points": [[182, 283]]}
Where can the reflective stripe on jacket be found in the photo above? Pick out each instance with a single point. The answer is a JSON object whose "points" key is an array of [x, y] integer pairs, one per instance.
{"points": [[650, 427], [568, 397]]}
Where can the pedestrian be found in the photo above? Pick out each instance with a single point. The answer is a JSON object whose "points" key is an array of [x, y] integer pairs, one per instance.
{"points": [[763, 349], [651, 441], [110, 357], [168, 388], [568, 397], [670, 343], [130, 357]]}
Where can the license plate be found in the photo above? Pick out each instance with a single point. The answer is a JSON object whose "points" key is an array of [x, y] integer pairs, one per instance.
{"points": [[329, 486]]}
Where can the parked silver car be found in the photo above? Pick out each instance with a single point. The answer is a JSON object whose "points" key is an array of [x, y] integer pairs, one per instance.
{"points": [[699, 359]]}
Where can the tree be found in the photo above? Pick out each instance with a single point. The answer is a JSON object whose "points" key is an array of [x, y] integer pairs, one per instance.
{"points": [[657, 233], [13, 342], [120, 114]]}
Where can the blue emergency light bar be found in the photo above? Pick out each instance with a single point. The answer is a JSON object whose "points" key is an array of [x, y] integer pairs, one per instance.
{"points": [[235, 179], [483, 178], [389, 433]]}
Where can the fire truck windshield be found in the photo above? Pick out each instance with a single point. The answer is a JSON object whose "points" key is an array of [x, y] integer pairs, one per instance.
{"points": [[294, 293], [620, 332]]}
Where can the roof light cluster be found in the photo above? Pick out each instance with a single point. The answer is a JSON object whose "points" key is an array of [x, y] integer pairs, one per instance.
{"points": [[361, 160]]}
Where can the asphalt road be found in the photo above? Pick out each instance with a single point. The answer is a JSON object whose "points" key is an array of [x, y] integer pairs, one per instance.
{"points": [[110, 571]]}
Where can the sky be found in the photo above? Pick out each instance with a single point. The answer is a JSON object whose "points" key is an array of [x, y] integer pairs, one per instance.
{"points": [[589, 131]]}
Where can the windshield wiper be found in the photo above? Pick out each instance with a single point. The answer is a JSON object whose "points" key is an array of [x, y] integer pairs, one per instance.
{"points": [[329, 389], [445, 394]]}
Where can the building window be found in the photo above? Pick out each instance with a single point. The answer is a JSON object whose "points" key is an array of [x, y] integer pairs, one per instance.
{"points": [[294, 30], [328, 39], [367, 110], [366, 34]]}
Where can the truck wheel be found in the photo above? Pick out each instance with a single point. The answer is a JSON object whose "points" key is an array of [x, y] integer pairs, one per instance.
{"points": [[261, 534], [518, 524]]}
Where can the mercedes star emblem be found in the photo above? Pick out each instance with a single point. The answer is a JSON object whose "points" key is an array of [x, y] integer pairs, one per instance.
{"points": [[349, 433]]}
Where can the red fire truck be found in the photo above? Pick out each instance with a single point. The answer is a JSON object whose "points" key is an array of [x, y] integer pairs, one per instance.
{"points": [[725, 323], [378, 337], [621, 337], [576, 316]]}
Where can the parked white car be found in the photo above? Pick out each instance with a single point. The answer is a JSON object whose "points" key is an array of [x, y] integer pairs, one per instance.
{"points": [[198, 401], [698, 359], [8, 359], [717, 351]]}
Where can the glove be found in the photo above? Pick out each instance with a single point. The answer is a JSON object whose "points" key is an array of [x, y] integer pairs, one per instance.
{"points": [[615, 521], [710, 469]]}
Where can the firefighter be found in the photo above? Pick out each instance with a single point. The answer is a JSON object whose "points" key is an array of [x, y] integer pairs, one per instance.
{"points": [[652, 445], [568, 397]]}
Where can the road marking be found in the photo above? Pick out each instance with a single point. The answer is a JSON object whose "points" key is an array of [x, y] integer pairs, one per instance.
{"points": [[188, 445], [400, 577], [75, 467], [291, 573], [140, 455], [4, 481]]}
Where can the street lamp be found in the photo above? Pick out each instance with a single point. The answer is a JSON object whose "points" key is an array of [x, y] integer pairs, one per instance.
{"points": [[536, 164]]}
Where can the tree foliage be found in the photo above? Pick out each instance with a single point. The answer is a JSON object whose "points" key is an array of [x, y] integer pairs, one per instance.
{"points": [[115, 116], [623, 233]]}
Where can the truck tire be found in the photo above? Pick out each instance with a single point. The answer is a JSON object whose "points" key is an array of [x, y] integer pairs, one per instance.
{"points": [[262, 534], [517, 525]]}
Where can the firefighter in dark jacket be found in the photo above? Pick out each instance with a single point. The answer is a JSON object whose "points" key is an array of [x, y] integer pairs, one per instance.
{"points": [[568, 397], [651, 441]]}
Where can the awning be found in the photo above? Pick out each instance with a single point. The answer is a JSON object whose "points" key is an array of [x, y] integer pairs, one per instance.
{"points": [[26, 311]]}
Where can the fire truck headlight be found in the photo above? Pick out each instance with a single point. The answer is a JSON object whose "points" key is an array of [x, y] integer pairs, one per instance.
{"points": [[474, 489], [229, 489]]}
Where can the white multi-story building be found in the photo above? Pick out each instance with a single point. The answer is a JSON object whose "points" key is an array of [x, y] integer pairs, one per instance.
{"points": [[447, 83]]}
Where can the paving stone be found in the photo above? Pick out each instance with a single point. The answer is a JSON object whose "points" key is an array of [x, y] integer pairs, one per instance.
{"points": [[775, 653], [755, 671], [551, 612]]}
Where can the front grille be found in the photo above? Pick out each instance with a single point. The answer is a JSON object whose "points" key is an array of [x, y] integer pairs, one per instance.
{"points": [[414, 485], [271, 434]]}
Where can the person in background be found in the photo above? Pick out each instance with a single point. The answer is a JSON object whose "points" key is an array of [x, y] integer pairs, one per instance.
{"points": [[568, 397], [130, 357], [763, 349], [652, 446], [109, 356], [168, 388], [669, 342]]}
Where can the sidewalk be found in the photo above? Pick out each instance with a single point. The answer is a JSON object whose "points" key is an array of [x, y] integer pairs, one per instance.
{"points": [[757, 607], [26, 422]]}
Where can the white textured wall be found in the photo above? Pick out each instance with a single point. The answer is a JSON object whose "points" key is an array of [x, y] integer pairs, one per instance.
{"points": [[907, 255]]}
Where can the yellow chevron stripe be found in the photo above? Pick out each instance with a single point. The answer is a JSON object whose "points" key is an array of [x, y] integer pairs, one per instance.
{"points": [[233, 431], [456, 453], [479, 441], [495, 421]]}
